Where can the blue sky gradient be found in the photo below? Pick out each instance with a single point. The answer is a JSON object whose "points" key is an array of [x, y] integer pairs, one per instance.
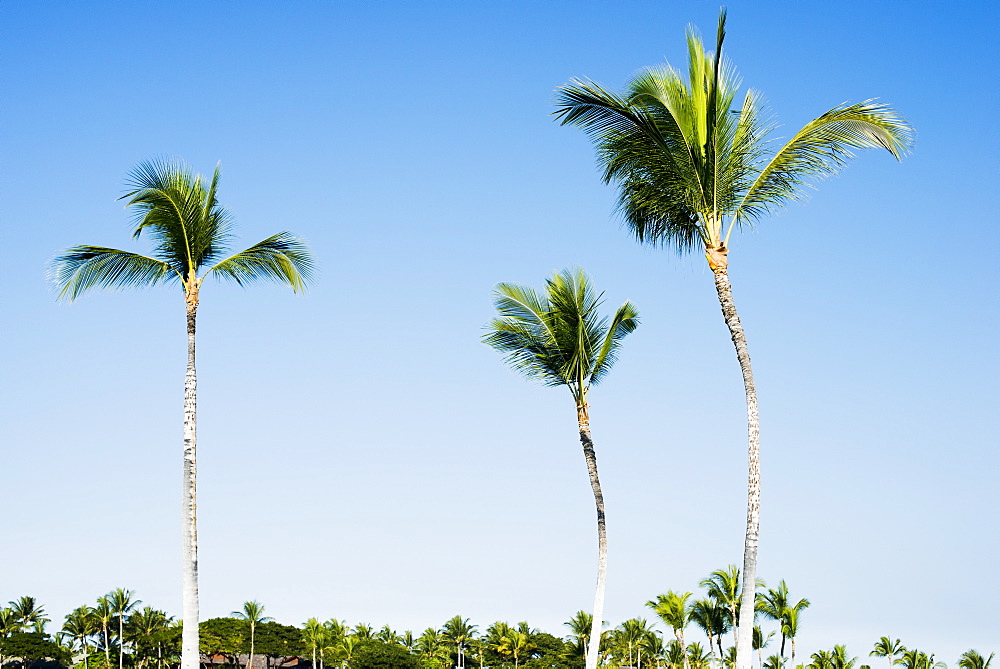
{"points": [[363, 456]]}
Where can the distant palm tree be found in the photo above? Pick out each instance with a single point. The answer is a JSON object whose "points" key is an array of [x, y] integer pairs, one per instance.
{"points": [[775, 662], [180, 211], [713, 618], [560, 339], [143, 627], [692, 164], [253, 614], [888, 648], [314, 635], [777, 605], [364, 632], [122, 604], [673, 611], [104, 613], [760, 643], [723, 585], [28, 613], [458, 631], [79, 625], [971, 659]]}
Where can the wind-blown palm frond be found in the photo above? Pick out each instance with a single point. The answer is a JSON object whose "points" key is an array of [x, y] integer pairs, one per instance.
{"points": [[282, 257], [822, 148], [81, 268], [558, 338]]}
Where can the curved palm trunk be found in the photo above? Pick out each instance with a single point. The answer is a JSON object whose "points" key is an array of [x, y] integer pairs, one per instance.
{"points": [[744, 650], [583, 420], [189, 598]]}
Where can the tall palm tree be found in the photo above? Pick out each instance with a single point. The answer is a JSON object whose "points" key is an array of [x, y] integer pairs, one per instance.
{"points": [[560, 339], [673, 611], [190, 230], [122, 604], [693, 165], [253, 614]]}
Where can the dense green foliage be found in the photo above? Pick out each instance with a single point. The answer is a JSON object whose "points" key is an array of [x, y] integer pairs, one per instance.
{"points": [[150, 639]]}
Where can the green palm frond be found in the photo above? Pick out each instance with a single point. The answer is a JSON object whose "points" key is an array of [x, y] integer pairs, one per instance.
{"points": [[690, 159], [822, 148], [81, 268], [180, 212], [558, 338], [282, 257]]}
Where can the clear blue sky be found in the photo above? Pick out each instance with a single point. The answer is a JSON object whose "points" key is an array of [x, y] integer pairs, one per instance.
{"points": [[363, 456]]}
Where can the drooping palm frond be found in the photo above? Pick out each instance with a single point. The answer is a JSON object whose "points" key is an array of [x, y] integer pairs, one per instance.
{"points": [[180, 212], [282, 257], [822, 148], [81, 268]]}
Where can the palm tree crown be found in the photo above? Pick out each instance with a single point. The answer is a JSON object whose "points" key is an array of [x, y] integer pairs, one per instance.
{"points": [[692, 162], [190, 231], [559, 338]]}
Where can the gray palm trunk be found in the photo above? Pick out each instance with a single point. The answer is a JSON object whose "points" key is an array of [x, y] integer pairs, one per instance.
{"points": [[189, 640], [744, 631], [593, 647], [250, 657]]}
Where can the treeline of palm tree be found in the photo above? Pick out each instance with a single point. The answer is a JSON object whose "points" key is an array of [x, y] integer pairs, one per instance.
{"points": [[115, 633]]}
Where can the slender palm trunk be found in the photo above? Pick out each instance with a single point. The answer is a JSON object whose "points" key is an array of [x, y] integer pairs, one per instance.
{"points": [[189, 640], [250, 659], [107, 647], [744, 646], [680, 636], [792, 661], [121, 642], [583, 420]]}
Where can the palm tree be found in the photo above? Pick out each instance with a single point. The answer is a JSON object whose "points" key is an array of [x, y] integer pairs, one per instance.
{"points": [[433, 648], [104, 613], [253, 614], [458, 631], [673, 611], [888, 648], [27, 612], [759, 643], [775, 662], [79, 625], [314, 635], [144, 627], [560, 339], [692, 167], [190, 230], [122, 604], [777, 605], [971, 659], [723, 585], [629, 636], [713, 618]]}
